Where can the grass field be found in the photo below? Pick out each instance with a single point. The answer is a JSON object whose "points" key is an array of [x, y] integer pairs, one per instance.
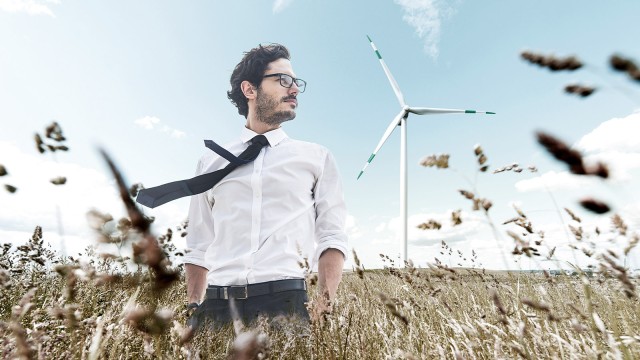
{"points": [[98, 310]]}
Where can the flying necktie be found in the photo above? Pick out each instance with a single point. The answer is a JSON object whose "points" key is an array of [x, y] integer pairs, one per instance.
{"points": [[162, 194]]}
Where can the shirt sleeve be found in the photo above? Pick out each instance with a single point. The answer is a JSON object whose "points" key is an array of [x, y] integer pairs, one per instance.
{"points": [[331, 211], [200, 228]]}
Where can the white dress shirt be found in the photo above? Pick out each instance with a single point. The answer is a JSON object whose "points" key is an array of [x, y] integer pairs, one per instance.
{"points": [[264, 218]]}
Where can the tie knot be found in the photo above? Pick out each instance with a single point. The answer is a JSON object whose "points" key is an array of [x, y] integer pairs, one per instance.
{"points": [[260, 139]]}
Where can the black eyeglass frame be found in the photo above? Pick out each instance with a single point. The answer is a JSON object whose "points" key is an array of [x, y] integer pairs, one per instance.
{"points": [[293, 81]]}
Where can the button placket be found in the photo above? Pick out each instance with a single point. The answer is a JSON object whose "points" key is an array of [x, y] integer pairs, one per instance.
{"points": [[256, 211]]}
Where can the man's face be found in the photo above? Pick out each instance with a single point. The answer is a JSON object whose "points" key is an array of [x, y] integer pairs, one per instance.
{"points": [[275, 103]]}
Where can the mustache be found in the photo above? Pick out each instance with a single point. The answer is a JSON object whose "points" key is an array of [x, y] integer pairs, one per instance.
{"points": [[290, 97]]}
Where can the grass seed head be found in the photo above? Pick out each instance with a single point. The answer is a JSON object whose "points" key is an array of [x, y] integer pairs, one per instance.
{"points": [[486, 204], [580, 90], [477, 150], [573, 216], [536, 304], [497, 302], [455, 217], [482, 159], [619, 224], [250, 345], [468, 194], [600, 170], [552, 62], [10, 188], [358, 268], [134, 189], [622, 64], [60, 180], [391, 305], [430, 225], [576, 231], [39, 143], [562, 152], [138, 220], [439, 161], [595, 206], [513, 167], [633, 242]]}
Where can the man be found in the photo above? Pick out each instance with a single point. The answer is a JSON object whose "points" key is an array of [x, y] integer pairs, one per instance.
{"points": [[249, 234]]}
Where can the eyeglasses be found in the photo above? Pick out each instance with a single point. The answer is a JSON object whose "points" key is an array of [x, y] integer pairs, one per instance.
{"points": [[288, 81]]}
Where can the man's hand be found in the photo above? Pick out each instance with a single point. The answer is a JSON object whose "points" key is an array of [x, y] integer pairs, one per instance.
{"points": [[189, 309], [329, 276], [322, 307]]}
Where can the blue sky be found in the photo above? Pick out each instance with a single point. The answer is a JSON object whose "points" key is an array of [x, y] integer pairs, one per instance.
{"points": [[147, 80]]}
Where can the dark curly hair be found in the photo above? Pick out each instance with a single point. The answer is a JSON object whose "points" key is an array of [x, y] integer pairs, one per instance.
{"points": [[251, 68]]}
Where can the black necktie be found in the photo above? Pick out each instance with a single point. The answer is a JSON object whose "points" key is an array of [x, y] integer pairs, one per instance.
{"points": [[162, 194]]}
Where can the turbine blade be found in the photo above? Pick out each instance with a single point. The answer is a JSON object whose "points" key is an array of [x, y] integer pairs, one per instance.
{"points": [[428, 111], [384, 138], [392, 81]]}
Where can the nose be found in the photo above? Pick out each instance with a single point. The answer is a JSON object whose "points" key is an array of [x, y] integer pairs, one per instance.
{"points": [[294, 89]]}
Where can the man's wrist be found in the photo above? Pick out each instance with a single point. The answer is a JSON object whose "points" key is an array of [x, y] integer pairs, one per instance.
{"points": [[193, 305]]}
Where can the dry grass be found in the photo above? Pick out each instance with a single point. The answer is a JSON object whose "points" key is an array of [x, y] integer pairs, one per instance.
{"points": [[391, 313]]}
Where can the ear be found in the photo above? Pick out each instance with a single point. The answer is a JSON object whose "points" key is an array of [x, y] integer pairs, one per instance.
{"points": [[248, 89]]}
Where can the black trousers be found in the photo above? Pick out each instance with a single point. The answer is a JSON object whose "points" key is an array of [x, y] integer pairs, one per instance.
{"points": [[216, 313]]}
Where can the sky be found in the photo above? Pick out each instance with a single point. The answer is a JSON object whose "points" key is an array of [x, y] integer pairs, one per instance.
{"points": [[147, 80]]}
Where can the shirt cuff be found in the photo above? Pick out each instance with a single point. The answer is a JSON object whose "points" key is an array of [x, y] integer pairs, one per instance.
{"points": [[195, 257], [331, 244]]}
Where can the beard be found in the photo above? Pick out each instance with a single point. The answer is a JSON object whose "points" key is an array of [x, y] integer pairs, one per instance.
{"points": [[266, 109]]}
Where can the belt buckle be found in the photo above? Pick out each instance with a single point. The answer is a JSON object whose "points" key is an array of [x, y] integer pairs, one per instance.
{"points": [[246, 292]]}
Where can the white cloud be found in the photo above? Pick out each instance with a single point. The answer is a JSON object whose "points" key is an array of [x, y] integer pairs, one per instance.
{"points": [[493, 250], [614, 142], [619, 163], [558, 235], [618, 134], [31, 7], [147, 122], [152, 122], [551, 181], [173, 132], [61, 210], [471, 224], [631, 215], [425, 245], [425, 16], [352, 229], [280, 5]]}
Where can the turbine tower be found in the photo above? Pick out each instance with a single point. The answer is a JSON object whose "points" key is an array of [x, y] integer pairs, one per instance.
{"points": [[401, 120]]}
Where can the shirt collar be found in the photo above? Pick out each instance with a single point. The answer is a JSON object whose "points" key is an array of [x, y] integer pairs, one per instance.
{"points": [[274, 136]]}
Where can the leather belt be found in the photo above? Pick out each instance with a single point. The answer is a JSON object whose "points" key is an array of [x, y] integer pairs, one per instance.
{"points": [[246, 291]]}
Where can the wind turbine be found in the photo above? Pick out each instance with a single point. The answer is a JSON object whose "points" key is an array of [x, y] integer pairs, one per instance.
{"points": [[401, 120]]}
